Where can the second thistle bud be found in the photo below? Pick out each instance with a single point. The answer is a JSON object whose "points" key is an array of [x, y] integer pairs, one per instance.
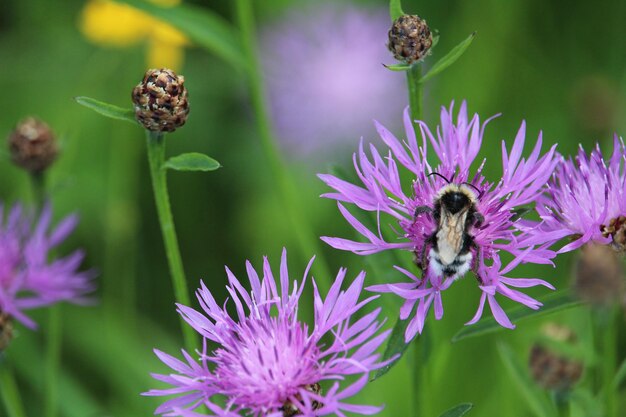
{"points": [[160, 100], [32, 145], [410, 39]]}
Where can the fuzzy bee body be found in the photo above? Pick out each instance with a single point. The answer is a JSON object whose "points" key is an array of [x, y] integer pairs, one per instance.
{"points": [[455, 213]]}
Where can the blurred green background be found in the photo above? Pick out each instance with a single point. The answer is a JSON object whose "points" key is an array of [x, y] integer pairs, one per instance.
{"points": [[560, 65]]}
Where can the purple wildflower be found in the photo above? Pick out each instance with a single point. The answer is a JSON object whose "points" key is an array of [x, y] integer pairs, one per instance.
{"points": [[586, 199], [268, 363], [456, 146], [323, 63], [28, 279]]}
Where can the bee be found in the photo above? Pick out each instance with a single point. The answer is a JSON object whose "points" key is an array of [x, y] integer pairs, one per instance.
{"points": [[454, 210]]}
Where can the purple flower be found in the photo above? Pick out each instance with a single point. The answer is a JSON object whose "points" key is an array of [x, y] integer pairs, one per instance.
{"points": [[472, 238], [28, 278], [586, 200], [268, 363], [325, 76]]}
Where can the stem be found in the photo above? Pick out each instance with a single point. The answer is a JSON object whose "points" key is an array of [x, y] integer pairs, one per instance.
{"points": [[9, 393], [156, 155], [309, 244], [416, 95], [53, 335], [53, 361], [607, 339], [413, 76]]}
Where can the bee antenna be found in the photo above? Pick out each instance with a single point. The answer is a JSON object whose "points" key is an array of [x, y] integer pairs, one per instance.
{"points": [[480, 194], [439, 175]]}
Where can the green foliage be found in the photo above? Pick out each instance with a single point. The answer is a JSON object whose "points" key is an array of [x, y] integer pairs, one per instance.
{"points": [[202, 26], [458, 411], [395, 9], [449, 59], [396, 346], [106, 109], [192, 161], [551, 304], [536, 399]]}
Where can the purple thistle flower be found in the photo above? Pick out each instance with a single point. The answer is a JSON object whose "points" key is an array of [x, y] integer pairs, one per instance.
{"points": [[323, 63], [268, 363], [586, 199], [28, 278], [456, 146]]}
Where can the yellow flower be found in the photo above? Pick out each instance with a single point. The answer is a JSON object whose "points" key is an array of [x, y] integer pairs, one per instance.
{"points": [[108, 23]]}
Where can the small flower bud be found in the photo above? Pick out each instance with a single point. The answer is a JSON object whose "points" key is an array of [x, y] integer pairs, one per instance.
{"points": [[6, 330], [32, 145], [599, 275], [550, 369], [161, 100], [410, 39]]}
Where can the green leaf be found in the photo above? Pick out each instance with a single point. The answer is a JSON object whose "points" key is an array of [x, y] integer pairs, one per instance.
{"points": [[555, 302], [458, 411], [192, 161], [202, 26], [397, 67], [395, 9], [449, 59], [395, 346], [536, 399], [106, 109], [620, 375]]}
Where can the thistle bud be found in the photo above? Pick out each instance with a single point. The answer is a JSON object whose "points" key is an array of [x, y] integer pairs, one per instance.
{"points": [[6, 330], [550, 369], [160, 100], [410, 39], [599, 275], [32, 145]]}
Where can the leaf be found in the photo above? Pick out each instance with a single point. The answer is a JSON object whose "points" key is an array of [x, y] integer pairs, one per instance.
{"points": [[397, 67], [106, 109], [395, 346], [458, 411], [620, 375], [449, 59], [395, 9], [192, 161], [202, 26], [536, 399], [555, 302]]}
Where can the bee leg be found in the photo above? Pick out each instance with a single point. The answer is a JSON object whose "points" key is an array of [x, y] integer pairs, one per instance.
{"points": [[421, 261], [478, 218], [475, 262], [422, 209]]}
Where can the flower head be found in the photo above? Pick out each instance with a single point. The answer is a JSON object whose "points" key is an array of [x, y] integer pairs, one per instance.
{"points": [[32, 145], [268, 362], [325, 75], [586, 200], [452, 220], [110, 23], [28, 278]]}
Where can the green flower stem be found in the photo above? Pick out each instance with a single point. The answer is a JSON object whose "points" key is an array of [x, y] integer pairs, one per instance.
{"points": [[53, 361], [9, 393], [156, 157], [607, 338], [416, 95], [309, 244], [53, 334]]}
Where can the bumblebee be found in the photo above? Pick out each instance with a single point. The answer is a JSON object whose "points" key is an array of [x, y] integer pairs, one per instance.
{"points": [[449, 249]]}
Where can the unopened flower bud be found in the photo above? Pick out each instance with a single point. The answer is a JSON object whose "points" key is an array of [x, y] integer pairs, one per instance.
{"points": [[6, 330], [599, 275], [32, 145], [160, 100], [550, 369], [410, 39]]}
